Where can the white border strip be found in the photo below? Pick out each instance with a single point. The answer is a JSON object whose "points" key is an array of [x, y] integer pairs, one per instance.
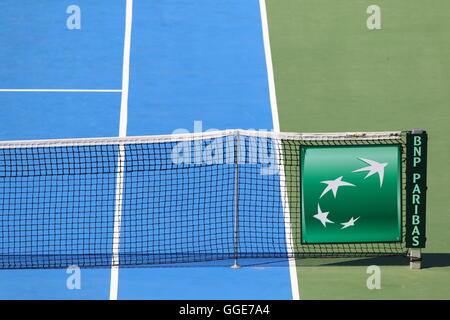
{"points": [[276, 127], [114, 286], [361, 136], [61, 90]]}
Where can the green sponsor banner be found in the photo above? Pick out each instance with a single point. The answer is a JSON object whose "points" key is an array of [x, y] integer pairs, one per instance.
{"points": [[351, 194]]}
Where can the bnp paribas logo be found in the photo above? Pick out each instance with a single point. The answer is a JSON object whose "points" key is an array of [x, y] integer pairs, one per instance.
{"points": [[351, 194]]}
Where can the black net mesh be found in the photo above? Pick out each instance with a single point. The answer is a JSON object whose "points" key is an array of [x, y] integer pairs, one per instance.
{"points": [[231, 195]]}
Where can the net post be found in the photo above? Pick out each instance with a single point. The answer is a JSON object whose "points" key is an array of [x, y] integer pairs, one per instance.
{"points": [[236, 202], [415, 258], [416, 187]]}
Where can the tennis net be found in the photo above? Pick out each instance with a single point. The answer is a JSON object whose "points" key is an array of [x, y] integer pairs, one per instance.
{"points": [[166, 199]]}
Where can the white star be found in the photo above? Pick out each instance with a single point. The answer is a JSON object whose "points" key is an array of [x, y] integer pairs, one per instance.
{"points": [[349, 223], [322, 216], [375, 167], [334, 185]]}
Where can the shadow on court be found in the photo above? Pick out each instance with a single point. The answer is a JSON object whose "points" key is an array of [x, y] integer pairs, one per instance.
{"points": [[429, 260]]}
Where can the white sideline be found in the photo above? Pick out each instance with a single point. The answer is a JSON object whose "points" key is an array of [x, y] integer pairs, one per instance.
{"points": [[114, 285], [276, 128]]}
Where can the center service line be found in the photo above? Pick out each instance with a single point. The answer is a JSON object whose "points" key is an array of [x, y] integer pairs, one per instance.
{"points": [[114, 285]]}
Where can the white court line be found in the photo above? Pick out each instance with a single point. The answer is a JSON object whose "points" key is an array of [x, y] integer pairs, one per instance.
{"points": [[276, 128], [60, 90], [114, 285]]}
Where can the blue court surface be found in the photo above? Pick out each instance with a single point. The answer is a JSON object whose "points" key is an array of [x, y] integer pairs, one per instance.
{"points": [[73, 68]]}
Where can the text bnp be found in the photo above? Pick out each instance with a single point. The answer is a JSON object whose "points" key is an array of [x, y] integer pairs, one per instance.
{"points": [[416, 190]]}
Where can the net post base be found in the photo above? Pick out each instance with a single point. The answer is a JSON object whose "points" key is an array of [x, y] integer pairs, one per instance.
{"points": [[415, 259], [235, 266]]}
